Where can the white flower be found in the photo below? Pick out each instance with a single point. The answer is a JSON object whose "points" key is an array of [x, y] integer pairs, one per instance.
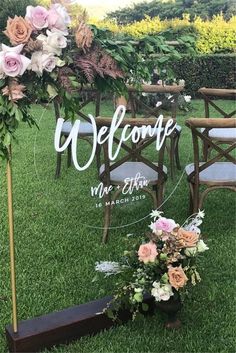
{"points": [[193, 222], [182, 82], [158, 232], [41, 61], [108, 267], [158, 104], [201, 214], [159, 82], [156, 214], [190, 251], [161, 292], [187, 99], [2, 74], [201, 246], [54, 42]]}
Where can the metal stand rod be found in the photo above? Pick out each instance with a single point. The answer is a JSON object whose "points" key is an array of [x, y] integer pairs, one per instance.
{"points": [[11, 241]]}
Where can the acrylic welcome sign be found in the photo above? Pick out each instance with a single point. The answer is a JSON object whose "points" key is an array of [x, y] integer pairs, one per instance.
{"points": [[84, 196], [136, 175]]}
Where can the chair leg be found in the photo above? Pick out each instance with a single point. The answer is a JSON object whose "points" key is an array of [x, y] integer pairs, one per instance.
{"points": [[58, 166], [195, 198], [98, 159], [205, 151], [172, 156], [160, 194], [190, 199], [69, 156], [155, 196], [107, 220], [177, 159]]}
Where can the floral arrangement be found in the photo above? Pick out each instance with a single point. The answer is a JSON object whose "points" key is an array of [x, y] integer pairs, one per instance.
{"points": [[163, 267], [45, 58], [28, 63]]}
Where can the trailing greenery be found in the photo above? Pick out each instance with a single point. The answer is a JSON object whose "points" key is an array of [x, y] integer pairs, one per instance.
{"points": [[138, 58], [174, 8], [216, 71], [212, 36]]}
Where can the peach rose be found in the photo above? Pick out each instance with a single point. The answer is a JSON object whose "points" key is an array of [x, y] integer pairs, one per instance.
{"points": [[187, 239], [14, 91], [18, 30], [177, 277], [147, 252]]}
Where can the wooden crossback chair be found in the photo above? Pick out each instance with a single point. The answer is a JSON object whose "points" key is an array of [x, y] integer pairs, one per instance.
{"points": [[218, 172], [135, 103], [225, 136], [86, 131], [115, 173]]}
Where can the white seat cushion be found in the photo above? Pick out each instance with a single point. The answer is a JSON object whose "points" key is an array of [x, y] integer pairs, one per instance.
{"points": [[84, 128], [215, 173], [130, 170], [220, 134]]}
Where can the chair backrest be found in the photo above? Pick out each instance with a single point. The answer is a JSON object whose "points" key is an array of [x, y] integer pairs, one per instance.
{"points": [[209, 94], [132, 154], [198, 135], [135, 93], [90, 95]]}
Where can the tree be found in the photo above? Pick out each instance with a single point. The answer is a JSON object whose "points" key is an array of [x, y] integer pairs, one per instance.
{"points": [[174, 8]]}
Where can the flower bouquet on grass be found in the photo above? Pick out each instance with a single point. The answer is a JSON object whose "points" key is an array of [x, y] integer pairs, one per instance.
{"points": [[162, 267]]}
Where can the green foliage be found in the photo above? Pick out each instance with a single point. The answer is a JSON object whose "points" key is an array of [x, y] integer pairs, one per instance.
{"points": [[171, 9], [139, 58], [10, 116], [216, 71], [8, 9]]}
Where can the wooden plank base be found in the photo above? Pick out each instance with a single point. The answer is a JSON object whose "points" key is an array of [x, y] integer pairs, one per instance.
{"points": [[64, 326]]}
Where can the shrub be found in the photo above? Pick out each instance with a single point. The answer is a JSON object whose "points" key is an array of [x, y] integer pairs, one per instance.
{"points": [[212, 36], [216, 71]]}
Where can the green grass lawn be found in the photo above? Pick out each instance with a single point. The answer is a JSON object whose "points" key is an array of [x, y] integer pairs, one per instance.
{"points": [[57, 246]]}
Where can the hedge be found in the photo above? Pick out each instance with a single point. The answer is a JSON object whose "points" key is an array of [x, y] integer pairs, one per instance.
{"points": [[216, 71], [212, 36]]}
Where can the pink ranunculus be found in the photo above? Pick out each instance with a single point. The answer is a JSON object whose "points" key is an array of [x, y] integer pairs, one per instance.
{"points": [[12, 63], [165, 224], [56, 20], [37, 16], [147, 252]]}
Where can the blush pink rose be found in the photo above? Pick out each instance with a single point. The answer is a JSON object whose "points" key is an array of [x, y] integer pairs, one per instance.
{"points": [[165, 224], [12, 63], [147, 252], [37, 16], [56, 20]]}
